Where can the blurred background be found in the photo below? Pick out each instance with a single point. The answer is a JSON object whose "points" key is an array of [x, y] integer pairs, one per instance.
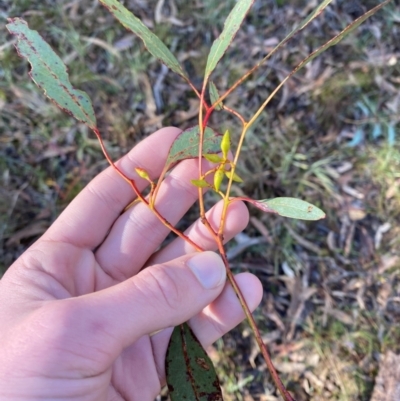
{"points": [[331, 306]]}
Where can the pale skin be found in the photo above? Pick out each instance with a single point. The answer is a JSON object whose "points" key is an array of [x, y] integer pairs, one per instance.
{"points": [[80, 316]]}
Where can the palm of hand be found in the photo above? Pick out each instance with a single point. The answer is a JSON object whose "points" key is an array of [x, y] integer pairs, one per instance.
{"points": [[77, 309]]}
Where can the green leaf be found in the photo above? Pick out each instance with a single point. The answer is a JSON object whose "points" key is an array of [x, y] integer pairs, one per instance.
{"points": [[214, 96], [50, 74], [235, 176], [286, 207], [232, 25], [314, 14], [153, 44], [213, 158], [190, 373], [293, 208], [336, 39], [186, 145], [200, 183]]}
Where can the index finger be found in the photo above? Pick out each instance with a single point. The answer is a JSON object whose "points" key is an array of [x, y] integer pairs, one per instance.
{"points": [[89, 217]]}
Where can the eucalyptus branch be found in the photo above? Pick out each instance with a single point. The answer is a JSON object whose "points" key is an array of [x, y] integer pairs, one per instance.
{"points": [[140, 196], [264, 351], [202, 125], [233, 167], [50, 74]]}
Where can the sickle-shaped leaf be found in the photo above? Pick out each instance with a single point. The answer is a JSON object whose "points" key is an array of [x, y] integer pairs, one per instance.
{"points": [[314, 14], [287, 207], [50, 74], [231, 26], [335, 40], [190, 373], [153, 44], [186, 145]]}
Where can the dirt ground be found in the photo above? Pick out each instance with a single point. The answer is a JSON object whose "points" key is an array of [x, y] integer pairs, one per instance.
{"points": [[331, 305]]}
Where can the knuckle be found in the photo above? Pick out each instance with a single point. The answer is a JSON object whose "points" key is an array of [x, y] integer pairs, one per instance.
{"points": [[218, 329], [110, 199], [149, 227], [166, 287]]}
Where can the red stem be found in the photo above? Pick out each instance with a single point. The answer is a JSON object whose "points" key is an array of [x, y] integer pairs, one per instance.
{"points": [[219, 240], [264, 351], [206, 106], [132, 183], [207, 116]]}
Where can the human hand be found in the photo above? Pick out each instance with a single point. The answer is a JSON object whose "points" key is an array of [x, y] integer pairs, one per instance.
{"points": [[77, 309]]}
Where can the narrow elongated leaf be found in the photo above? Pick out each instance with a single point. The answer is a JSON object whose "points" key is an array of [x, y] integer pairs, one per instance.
{"points": [[186, 145], [50, 74], [287, 207], [214, 96], [314, 14], [200, 183], [189, 370], [335, 40], [231, 26], [213, 158], [153, 44], [235, 177]]}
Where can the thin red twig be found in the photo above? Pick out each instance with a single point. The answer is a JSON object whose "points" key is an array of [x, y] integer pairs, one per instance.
{"points": [[132, 183]]}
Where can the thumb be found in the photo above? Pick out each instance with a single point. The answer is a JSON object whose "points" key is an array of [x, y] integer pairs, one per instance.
{"points": [[159, 296]]}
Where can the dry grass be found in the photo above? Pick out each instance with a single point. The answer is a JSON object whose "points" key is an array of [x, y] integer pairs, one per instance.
{"points": [[331, 302]]}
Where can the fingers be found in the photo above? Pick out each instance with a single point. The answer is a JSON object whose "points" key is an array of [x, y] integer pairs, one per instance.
{"points": [[137, 234], [236, 221], [226, 312], [158, 297], [90, 215], [216, 319]]}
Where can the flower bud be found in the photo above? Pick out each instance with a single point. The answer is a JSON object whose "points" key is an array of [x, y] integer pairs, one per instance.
{"points": [[218, 177], [142, 173], [226, 144]]}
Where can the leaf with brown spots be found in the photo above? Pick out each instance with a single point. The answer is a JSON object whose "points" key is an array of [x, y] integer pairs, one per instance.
{"points": [[186, 145], [50, 74], [153, 44], [190, 372]]}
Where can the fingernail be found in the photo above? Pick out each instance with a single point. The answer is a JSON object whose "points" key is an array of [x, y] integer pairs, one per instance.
{"points": [[208, 269]]}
